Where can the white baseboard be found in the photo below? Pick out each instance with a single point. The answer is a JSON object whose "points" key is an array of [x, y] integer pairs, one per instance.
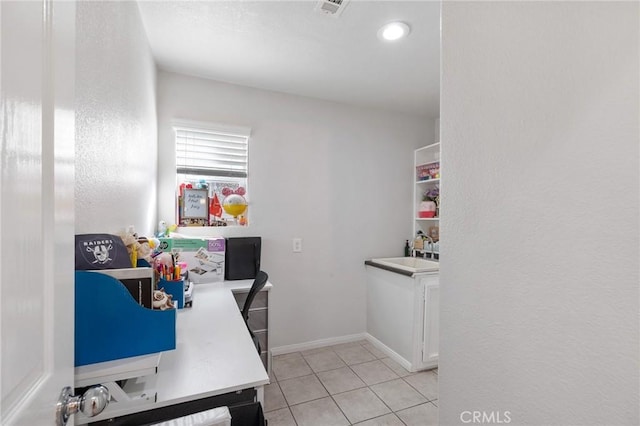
{"points": [[317, 344], [390, 352]]}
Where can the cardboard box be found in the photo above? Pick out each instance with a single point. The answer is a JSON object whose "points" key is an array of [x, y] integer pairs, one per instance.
{"points": [[204, 256]]}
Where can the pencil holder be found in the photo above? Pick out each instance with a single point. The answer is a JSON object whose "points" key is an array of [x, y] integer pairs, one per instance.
{"points": [[175, 288]]}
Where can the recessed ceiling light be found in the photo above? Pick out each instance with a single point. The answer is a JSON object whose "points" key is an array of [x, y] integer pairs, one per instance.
{"points": [[393, 31]]}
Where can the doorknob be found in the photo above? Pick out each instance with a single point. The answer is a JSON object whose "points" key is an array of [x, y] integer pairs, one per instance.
{"points": [[92, 403]]}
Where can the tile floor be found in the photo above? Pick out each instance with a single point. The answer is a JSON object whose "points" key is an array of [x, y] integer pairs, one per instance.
{"points": [[348, 384]]}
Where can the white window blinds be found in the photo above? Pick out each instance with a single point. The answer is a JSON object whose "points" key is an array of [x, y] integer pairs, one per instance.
{"points": [[211, 153]]}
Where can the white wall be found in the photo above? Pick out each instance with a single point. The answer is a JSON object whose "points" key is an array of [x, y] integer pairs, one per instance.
{"points": [[337, 176], [116, 131], [539, 296]]}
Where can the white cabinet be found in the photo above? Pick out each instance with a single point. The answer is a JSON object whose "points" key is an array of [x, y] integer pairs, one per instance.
{"points": [[427, 184], [431, 323], [402, 316]]}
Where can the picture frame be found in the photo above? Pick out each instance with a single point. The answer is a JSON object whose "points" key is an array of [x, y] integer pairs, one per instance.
{"points": [[195, 204]]}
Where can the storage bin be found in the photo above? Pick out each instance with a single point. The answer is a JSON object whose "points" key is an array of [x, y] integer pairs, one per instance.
{"points": [[109, 324], [215, 417], [247, 415]]}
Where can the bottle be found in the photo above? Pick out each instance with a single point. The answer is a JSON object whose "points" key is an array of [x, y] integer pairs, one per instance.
{"points": [[407, 249]]}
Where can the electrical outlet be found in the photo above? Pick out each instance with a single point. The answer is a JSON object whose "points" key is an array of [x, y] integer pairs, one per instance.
{"points": [[297, 245]]}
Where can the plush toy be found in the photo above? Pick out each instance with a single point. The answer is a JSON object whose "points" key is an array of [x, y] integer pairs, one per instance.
{"points": [[162, 229], [137, 247], [144, 249], [165, 230], [162, 300], [129, 240], [154, 243]]}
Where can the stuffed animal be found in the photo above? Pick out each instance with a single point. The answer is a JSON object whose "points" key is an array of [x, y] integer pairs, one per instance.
{"points": [[164, 230], [144, 249], [137, 247], [162, 300]]}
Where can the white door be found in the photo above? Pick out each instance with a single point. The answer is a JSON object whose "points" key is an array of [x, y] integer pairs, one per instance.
{"points": [[37, 76]]}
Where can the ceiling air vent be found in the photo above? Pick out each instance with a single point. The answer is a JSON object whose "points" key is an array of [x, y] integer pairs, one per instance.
{"points": [[331, 7]]}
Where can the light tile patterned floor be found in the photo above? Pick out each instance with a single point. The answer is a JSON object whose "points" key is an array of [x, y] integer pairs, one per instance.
{"points": [[348, 384]]}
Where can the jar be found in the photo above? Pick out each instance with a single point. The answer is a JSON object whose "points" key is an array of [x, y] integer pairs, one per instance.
{"points": [[427, 209]]}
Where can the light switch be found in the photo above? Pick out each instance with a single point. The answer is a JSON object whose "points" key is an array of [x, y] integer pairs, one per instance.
{"points": [[297, 245]]}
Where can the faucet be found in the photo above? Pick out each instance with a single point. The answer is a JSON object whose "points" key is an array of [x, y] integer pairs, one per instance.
{"points": [[423, 236], [432, 246]]}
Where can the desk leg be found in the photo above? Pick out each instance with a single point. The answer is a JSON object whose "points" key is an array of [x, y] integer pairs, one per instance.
{"points": [[260, 395]]}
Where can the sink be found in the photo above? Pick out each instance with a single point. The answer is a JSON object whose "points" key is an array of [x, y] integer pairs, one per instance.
{"points": [[411, 264]]}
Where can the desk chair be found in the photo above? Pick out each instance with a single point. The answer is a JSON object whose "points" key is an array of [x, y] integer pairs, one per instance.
{"points": [[258, 284]]}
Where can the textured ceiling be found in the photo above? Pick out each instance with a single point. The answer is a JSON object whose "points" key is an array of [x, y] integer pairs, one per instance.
{"points": [[286, 46]]}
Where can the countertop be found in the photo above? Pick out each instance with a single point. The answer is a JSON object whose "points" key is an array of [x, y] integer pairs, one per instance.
{"points": [[388, 268], [402, 270]]}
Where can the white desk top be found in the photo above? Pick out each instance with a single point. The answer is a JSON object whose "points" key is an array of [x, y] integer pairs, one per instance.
{"points": [[214, 352]]}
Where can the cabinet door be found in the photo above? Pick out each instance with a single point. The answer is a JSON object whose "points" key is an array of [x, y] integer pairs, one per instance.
{"points": [[431, 323]]}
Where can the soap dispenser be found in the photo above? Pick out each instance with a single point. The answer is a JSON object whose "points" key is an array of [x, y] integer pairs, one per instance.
{"points": [[418, 243], [407, 249]]}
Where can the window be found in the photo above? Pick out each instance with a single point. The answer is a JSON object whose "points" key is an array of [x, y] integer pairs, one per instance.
{"points": [[212, 158]]}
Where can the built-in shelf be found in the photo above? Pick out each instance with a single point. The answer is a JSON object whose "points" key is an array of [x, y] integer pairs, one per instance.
{"points": [[428, 181], [424, 163], [428, 163], [428, 147]]}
